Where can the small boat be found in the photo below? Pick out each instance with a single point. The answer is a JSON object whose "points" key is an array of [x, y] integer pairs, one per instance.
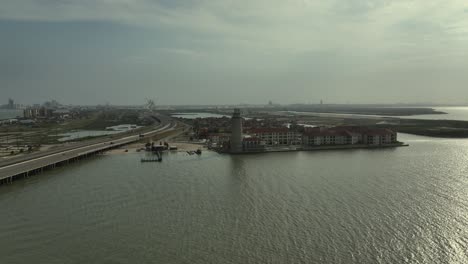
{"points": [[173, 148]]}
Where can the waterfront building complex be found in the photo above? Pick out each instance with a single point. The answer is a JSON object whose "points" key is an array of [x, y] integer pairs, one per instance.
{"points": [[284, 138]]}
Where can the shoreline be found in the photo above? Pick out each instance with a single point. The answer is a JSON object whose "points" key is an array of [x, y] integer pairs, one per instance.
{"points": [[139, 147], [321, 148]]}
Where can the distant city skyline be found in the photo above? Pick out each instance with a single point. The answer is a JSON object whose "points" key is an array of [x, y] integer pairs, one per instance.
{"points": [[231, 52], [277, 104]]}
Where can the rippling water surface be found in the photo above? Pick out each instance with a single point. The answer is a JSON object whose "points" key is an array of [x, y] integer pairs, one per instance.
{"points": [[404, 205]]}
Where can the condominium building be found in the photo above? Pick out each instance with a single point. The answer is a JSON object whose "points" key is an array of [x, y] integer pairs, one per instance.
{"points": [[278, 136]]}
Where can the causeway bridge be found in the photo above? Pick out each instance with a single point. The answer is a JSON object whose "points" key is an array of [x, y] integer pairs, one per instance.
{"points": [[37, 162]]}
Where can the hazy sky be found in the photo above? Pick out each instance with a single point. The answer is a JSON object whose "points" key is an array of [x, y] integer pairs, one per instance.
{"points": [[234, 51]]}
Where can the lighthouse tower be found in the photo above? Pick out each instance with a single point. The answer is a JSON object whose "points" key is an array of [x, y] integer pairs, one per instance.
{"points": [[236, 132]]}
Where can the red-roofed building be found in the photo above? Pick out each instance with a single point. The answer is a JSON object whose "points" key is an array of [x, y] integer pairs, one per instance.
{"points": [[219, 138], [252, 144], [348, 136], [379, 136], [329, 137], [277, 136]]}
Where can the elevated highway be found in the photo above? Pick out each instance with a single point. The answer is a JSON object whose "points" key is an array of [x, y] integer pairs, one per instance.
{"points": [[37, 162]]}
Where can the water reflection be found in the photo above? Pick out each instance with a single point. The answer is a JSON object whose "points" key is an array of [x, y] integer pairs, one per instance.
{"points": [[407, 205], [237, 163]]}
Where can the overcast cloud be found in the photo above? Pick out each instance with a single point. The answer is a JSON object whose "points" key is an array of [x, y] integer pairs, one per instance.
{"points": [[228, 51]]}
